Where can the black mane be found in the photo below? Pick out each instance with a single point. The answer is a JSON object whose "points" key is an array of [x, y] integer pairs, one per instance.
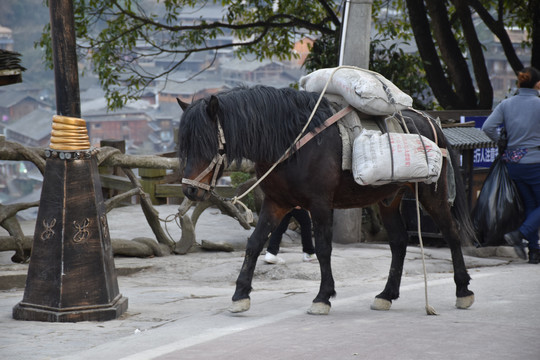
{"points": [[259, 122]]}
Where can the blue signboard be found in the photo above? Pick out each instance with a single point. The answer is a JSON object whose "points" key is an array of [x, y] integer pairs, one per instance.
{"points": [[482, 157]]}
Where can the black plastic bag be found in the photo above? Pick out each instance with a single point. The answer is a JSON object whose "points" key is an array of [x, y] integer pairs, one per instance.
{"points": [[499, 208]]}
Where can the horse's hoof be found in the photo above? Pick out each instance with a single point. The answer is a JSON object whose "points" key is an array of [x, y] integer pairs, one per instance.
{"points": [[464, 302], [319, 308], [381, 304], [240, 306]]}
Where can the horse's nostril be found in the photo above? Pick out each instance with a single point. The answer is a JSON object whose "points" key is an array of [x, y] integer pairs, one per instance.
{"points": [[191, 191]]}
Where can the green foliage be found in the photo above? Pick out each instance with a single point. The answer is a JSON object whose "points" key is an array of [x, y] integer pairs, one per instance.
{"points": [[110, 34], [405, 70], [239, 177], [116, 37], [324, 54]]}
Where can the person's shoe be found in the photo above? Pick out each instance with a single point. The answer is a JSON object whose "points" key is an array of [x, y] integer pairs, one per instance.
{"points": [[309, 257], [515, 238], [534, 256], [270, 258]]}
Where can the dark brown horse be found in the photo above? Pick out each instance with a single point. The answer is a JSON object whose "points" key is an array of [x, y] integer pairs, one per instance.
{"points": [[259, 124]]}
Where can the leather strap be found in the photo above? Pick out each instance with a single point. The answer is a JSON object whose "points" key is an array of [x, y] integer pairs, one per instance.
{"points": [[331, 120]]}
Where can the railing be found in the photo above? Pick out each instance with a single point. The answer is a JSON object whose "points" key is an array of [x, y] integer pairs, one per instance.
{"points": [[162, 185]]}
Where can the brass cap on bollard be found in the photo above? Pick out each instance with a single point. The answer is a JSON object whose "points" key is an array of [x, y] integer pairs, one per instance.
{"points": [[69, 133]]}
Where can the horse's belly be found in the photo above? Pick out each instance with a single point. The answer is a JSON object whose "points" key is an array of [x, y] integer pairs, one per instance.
{"points": [[351, 195]]}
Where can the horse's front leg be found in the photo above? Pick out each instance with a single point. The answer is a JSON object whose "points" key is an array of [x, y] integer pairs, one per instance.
{"points": [[322, 226], [268, 221], [398, 239]]}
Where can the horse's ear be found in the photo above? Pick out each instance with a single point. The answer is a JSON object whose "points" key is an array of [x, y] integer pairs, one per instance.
{"points": [[182, 104], [213, 107]]}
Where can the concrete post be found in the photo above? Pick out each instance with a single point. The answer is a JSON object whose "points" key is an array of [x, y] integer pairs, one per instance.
{"points": [[354, 50], [356, 33]]}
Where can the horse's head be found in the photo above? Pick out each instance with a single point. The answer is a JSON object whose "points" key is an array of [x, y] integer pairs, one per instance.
{"points": [[201, 147]]}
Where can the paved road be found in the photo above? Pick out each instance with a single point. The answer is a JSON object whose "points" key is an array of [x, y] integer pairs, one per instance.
{"points": [[190, 320]]}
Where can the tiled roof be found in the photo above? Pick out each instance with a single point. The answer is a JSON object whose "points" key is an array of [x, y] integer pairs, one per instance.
{"points": [[35, 125], [466, 138]]}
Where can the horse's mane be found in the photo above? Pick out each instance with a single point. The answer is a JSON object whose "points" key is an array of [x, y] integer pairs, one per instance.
{"points": [[259, 123]]}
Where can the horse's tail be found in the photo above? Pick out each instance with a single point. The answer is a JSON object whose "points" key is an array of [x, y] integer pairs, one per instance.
{"points": [[460, 208]]}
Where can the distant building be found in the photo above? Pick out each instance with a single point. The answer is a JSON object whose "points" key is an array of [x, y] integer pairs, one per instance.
{"points": [[14, 105], [503, 78], [268, 72], [127, 124], [302, 48], [164, 126], [188, 91], [33, 129]]}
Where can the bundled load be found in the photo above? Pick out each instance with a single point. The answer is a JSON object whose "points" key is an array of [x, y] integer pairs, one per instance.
{"points": [[368, 91], [379, 159], [69, 133]]}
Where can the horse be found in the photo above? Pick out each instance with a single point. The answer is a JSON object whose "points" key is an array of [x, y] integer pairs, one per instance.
{"points": [[259, 124]]}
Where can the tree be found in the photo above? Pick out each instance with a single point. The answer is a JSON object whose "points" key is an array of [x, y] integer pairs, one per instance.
{"points": [[110, 34], [446, 38]]}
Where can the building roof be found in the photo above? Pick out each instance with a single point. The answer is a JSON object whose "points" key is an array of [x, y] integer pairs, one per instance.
{"points": [[166, 110], [245, 65], [190, 87], [36, 125], [123, 114], [9, 99]]}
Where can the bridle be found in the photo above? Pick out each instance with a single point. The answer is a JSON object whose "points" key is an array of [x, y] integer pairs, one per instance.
{"points": [[219, 161]]}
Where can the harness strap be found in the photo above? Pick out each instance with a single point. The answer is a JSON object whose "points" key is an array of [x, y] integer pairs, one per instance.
{"points": [[331, 120], [216, 163]]}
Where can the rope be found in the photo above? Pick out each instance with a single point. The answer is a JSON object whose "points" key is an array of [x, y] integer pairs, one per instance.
{"points": [[429, 309], [175, 218]]}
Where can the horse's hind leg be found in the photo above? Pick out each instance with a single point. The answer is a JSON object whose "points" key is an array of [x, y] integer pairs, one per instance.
{"points": [[268, 220], [398, 239], [322, 226], [436, 204]]}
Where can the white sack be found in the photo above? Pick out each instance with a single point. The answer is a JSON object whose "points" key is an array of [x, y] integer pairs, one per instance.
{"points": [[372, 160], [361, 88]]}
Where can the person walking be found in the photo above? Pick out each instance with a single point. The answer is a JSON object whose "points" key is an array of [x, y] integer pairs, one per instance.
{"points": [[520, 115], [303, 218]]}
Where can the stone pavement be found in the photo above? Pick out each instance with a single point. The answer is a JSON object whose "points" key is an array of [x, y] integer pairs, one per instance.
{"points": [[178, 309]]}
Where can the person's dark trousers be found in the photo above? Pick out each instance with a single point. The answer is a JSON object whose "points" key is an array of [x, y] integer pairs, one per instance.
{"points": [[527, 179]]}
